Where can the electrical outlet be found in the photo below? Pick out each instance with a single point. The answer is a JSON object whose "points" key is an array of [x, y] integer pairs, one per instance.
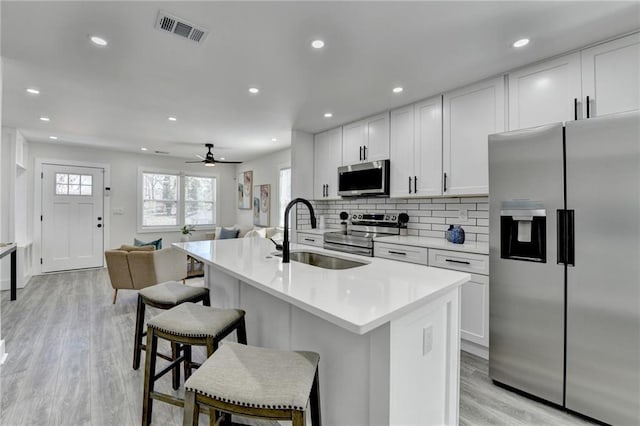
{"points": [[427, 339], [463, 215]]}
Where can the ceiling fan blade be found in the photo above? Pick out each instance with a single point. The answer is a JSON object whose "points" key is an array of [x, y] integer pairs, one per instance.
{"points": [[202, 161], [229, 162]]}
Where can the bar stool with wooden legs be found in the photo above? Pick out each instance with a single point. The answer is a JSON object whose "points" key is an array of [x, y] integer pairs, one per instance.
{"points": [[254, 382], [187, 324], [164, 296]]}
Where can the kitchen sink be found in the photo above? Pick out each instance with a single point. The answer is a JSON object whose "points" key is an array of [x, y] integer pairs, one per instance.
{"points": [[323, 260]]}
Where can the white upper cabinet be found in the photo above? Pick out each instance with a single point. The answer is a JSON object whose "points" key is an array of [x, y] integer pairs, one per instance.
{"points": [[416, 149], [366, 140], [353, 140], [402, 152], [545, 93], [611, 76], [428, 147], [470, 115], [327, 147]]}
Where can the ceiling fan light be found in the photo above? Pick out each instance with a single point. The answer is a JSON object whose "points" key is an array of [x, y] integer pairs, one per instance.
{"points": [[209, 164]]}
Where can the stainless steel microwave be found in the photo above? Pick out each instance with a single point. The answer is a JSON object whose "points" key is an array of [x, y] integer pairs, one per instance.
{"points": [[364, 179]]}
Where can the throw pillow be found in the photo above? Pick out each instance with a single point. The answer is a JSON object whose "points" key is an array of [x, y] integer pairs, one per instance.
{"points": [[157, 243], [227, 233], [256, 232]]}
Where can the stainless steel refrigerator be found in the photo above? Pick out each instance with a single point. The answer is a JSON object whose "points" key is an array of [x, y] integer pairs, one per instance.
{"points": [[565, 264]]}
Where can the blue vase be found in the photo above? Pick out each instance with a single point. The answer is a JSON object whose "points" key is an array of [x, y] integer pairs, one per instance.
{"points": [[455, 234]]}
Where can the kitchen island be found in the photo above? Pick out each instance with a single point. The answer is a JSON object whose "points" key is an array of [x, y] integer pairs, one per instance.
{"points": [[387, 332]]}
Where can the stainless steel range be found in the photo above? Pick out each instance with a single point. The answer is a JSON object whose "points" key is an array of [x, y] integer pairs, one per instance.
{"points": [[363, 228]]}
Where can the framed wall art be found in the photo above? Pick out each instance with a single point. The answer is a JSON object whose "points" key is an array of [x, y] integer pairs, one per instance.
{"points": [[245, 186], [261, 204]]}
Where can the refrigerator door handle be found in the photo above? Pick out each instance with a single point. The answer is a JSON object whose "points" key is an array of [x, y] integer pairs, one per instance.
{"points": [[575, 108], [566, 241]]}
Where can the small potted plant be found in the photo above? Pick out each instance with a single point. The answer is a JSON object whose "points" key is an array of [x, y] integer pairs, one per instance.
{"points": [[186, 232]]}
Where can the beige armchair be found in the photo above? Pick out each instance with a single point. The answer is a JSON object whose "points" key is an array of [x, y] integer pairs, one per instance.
{"points": [[134, 268]]}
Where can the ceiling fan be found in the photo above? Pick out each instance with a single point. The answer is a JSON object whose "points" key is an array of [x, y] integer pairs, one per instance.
{"points": [[208, 159]]}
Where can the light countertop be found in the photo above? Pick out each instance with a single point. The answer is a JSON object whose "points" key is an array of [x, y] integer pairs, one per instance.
{"points": [[358, 299], [479, 247]]}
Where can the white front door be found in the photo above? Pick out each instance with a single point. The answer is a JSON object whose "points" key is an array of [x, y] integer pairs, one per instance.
{"points": [[72, 217]]}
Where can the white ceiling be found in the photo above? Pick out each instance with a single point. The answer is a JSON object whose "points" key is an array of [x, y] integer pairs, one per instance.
{"points": [[120, 96]]}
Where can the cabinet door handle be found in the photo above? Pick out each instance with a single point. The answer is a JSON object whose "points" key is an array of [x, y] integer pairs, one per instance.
{"points": [[588, 108], [575, 108], [360, 153], [415, 185], [445, 183], [463, 262], [364, 150], [310, 239], [397, 252], [327, 190], [409, 184]]}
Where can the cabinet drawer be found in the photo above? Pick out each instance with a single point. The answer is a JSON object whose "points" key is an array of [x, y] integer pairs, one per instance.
{"points": [[310, 239], [401, 252], [465, 262]]}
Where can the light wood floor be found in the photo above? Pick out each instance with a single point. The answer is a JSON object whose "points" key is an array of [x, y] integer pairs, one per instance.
{"points": [[70, 354]]}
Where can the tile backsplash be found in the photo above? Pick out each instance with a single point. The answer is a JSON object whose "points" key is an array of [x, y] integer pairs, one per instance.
{"points": [[428, 217]]}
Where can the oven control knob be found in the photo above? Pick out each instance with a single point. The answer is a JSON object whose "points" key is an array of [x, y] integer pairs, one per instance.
{"points": [[386, 217], [359, 216], [393, 218], [354, 216]]}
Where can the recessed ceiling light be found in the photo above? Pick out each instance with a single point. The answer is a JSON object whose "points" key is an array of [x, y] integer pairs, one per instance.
{"points": [[274, 139], [317, 44], [33, 91], [222, 158], [253, 90], [328, 115], [45, 119], [172, 118], [521, 43], [397, 90], [143, 148], [53, 138], [99, 41]]}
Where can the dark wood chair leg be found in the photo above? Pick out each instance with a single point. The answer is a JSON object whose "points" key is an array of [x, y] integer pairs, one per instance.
{"points": [[175, 374], [137, 343], [186, 349], [241, 332], [206, 300], [115, 295], [149, 374], [316, 419]]}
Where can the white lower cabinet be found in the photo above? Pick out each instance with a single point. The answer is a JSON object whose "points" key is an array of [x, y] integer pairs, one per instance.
{"points": [[310, 239], [403, 253], [474, 304]]}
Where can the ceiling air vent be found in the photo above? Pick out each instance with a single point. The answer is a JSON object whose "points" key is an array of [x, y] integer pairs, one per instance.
{"points": [[181, 27]]}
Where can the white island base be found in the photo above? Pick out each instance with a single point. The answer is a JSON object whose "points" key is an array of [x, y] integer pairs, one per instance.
{"points": [[403, 372]]}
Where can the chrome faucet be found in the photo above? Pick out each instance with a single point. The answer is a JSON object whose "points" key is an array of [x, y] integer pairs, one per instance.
{"points": [[285, 242]]}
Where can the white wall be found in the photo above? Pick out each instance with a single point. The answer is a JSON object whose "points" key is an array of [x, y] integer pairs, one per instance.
{"points": [[123, 184], [265, 170]]}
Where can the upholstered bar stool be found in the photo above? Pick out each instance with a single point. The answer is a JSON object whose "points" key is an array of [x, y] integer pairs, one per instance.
{"points": [[164, 296], [254, 382], [187, 324]]}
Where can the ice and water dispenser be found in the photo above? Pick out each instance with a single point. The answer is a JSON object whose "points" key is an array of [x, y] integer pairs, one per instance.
{"points": [[523, 231]]}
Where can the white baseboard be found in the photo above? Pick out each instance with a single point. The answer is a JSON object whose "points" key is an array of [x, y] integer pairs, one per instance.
{"points": [[6, 284], [3, 354], [475, 349]]}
